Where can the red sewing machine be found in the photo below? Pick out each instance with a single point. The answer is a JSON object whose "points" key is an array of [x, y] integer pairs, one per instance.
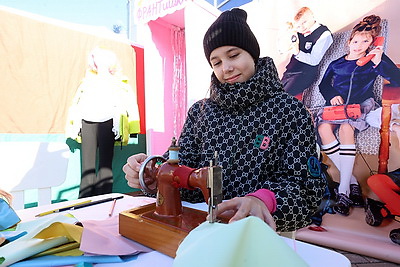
{"points": [[342, 112], [163, 225]]}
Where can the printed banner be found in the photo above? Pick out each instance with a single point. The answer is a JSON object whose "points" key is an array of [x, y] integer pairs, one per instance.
{"points": [[146, 10]]}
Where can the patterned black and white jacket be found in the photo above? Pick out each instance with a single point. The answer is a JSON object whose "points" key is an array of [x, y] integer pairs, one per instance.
{"points": [[264, 138]]}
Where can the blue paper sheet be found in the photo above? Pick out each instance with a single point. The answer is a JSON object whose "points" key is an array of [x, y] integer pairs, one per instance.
{"points": [[52, 260]]}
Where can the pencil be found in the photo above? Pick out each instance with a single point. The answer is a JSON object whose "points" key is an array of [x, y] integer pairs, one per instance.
{"points": [[91, 203], [80, 205], [112, 208]]}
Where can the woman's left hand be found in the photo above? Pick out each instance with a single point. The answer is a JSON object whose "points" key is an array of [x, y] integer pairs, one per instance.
{"points": [[378, 51], [247, 206], [337, 100]]}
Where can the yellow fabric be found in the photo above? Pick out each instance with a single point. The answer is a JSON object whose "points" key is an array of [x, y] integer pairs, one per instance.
{"points": [[69, 249], [71, 231], [247, 242]]}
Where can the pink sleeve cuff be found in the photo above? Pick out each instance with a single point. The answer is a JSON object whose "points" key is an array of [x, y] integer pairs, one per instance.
{"points": [[266, 196]]}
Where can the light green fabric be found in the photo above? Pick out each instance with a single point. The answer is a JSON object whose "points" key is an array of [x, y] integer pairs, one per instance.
{"points": [[34, 242], [247, 242]]}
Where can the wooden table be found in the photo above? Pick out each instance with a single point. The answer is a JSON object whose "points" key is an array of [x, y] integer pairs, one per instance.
{"points": [[390, 95]]}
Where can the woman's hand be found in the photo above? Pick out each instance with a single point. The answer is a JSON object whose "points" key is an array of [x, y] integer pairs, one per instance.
{"points": [[247, 206], [131, 169], [337, 100]]}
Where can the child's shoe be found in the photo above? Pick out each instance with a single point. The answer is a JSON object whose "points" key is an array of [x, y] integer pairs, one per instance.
{"points": [[395, 236], [356, 195], [373, 212], [343, 204]]}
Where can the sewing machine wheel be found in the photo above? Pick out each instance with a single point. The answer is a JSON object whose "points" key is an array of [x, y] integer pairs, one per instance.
{"points": [[149, 185]]}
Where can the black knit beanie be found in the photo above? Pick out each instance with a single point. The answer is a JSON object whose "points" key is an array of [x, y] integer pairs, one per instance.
{"points": [[231, 28]]}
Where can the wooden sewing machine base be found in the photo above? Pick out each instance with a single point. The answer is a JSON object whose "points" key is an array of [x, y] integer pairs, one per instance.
{"points": [[160, 233]]}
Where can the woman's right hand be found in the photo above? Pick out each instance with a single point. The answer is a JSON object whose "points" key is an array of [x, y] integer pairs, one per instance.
{"points": [[131, 169], [378, 51], [337, 100]]}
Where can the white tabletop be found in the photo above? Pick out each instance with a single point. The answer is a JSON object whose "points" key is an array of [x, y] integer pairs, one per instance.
{"points": [[312, 254]]}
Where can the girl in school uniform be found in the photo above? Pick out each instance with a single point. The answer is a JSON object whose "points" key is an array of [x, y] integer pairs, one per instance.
{"points": [[345, 82]]}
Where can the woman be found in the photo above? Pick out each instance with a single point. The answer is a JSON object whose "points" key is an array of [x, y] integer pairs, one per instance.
{"points": [[263, 136], [101, 102], [345, 82]]}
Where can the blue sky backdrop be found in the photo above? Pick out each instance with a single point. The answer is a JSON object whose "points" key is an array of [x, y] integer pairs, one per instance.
{"points": [[91, 12], [111, 14]]}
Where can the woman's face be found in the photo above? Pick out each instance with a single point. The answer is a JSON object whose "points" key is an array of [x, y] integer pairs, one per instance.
{"points": [[359, 44], [232, 64]]}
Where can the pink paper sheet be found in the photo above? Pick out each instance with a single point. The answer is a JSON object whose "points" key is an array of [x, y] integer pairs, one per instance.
{"points": [[102, 238]]}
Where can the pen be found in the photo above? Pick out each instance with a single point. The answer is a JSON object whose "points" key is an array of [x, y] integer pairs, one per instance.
{"points": [[112, 208], [57, 210]]}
